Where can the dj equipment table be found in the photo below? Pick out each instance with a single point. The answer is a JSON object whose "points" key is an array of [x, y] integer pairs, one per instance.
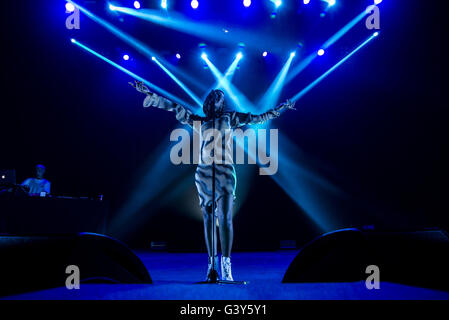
{"points": [[32, 215]]}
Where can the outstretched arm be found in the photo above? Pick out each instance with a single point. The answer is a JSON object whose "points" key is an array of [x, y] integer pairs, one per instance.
{"points": [[183, 114], [239, 119]]}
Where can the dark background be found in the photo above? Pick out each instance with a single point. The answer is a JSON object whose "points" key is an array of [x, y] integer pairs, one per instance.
{"points": [[375, 129]]}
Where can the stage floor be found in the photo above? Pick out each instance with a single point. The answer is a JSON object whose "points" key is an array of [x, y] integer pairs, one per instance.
{"points": [[175, 274]]}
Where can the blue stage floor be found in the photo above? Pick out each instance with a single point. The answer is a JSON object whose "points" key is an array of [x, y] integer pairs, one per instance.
{"points": [[174, 275]]}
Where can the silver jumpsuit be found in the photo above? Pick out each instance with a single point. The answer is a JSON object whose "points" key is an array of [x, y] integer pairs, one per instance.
{"points": [[225, 122]]}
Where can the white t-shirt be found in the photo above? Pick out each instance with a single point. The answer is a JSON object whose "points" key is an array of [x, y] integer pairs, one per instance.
{"points": [[37, 185]]}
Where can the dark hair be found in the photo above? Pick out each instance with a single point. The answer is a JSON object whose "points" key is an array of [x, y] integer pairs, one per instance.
{"points": [[209, 103]]}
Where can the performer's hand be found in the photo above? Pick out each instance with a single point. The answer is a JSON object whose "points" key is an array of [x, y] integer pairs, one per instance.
{"points": [[286, 105], [289, 105], [139, 86]]}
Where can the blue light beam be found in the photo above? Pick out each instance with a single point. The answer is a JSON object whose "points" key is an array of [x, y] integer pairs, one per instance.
{"points": [[239, 101], [138, 45], [301, 66], [229, 74], [351, 24], [271, 96], [179, 22], [300, 94], [332, 40], [179, 83], [133, 75]]}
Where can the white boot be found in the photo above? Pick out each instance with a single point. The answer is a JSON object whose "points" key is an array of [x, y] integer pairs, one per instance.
{"points": [[226, 273]]}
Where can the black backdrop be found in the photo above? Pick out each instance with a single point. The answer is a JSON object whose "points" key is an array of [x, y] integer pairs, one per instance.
{"points": [[378, 123]]}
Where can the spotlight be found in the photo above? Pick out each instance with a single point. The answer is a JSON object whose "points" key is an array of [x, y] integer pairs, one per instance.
{"points": [[125, 57], [164, 4], [178, 56], [204, 56], [320, 52], [69, 7], [194, 4], [376, 34], [137, 4], [278, 3], [112, 7], [377, 1], [239, 55], [306, 1], [247, 3], [331, 2], [153, 58], [292, 54], [264, 53], [73, 40]]}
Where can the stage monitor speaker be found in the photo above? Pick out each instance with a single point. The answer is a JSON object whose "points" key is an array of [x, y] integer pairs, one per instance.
{"points": [[31, 263], [418, 258]]}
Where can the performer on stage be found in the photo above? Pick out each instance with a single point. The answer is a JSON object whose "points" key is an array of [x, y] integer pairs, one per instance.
{"points": [[38, 184], [225, 178]]}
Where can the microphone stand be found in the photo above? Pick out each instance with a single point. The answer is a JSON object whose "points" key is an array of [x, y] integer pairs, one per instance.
{"points": [[214, 278]]}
